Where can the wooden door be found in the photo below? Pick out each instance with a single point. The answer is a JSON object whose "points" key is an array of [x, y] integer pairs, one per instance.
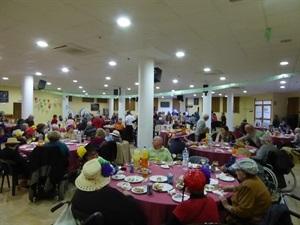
{"points": [[17, 110], [293, 106]]}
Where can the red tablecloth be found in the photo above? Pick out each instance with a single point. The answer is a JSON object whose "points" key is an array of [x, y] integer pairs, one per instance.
{"points": [[217, 153], [73, 159], [165, 136], [285, 139], [159, 206], [110, 127]]}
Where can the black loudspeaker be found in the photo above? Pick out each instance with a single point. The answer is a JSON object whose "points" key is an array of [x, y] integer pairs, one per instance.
{"points": [[41, 84], [180, 98], [157, 74], [205, 86], [116, 91]]}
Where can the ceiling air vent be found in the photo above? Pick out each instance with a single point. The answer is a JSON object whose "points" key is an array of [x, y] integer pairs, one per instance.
{"points": [[73, 49], [232, 1], [213, 73]]}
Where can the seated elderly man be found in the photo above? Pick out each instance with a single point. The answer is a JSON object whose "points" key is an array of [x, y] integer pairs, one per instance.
{"points": [[158, 152], [252, 136]]}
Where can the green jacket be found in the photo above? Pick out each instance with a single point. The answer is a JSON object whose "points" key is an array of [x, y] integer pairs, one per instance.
{"points": [[162, 154]]}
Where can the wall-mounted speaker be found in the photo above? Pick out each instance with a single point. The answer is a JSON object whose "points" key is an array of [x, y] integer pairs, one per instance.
{"points": [[205, 86], [41, 84], [180, 98], [116, 92], [157, 74]]}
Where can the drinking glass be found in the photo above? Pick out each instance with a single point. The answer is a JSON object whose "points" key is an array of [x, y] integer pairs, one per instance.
{"points": [[28, 141], [215, 164], [203, 161], [136, 159], [145, 172]]}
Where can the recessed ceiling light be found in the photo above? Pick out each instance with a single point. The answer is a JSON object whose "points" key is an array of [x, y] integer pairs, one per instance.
{"points": [[173, 90], [38, 73], [58, 88], [104, 93], [180, 54], [212, 92], [80, 87], [244, 91], [123, 22], [107, 78], [75, 81], [207, 69], [175, 81], [105, 85], [191, 86], [5, 78], [112, 63], [220, 94], [48, 83], [225, 96], [157, 87], [83, 91], [65, 69], [222, 78], [284, 63], [162, 97], [283, 82], [282, 86], [128, 89], [195, 95], [42, 44], [136, 83]]}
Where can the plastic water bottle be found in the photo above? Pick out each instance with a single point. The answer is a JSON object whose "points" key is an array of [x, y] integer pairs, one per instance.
{"points": [[185, 159], [210, 142]]}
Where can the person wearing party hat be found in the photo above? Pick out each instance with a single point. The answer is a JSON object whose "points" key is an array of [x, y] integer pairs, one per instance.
{"points": [[199, 208], [94, 194]]}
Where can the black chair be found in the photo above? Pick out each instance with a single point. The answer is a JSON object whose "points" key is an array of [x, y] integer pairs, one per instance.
{"points": [[108, 150], [7, 169]]}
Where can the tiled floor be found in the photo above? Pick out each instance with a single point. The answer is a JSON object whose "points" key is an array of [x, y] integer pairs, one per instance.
{"points": [[18, 210]]}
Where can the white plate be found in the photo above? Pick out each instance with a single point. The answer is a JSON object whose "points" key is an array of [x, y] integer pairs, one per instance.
{"points": [[226, 178], [118, 176], [165, 166], [159, 162], [134, 179], [220, 193], [164, 187], [209, 188], [124, 185], [158, 178], [139, 190], [178, 197], [213, 181]]}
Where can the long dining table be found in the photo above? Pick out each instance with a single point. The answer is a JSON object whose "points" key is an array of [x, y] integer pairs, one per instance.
{"points": [[217, 152], [159, 206]]}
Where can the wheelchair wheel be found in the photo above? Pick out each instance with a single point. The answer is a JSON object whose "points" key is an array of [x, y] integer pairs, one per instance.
{"points": [[270, 180], [291, 182]]}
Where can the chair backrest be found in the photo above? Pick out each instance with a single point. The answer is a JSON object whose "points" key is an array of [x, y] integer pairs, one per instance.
{"points": [[214, 136], [198, 159], [158, 129], [86, 219], [7, 166], [108, 150]]}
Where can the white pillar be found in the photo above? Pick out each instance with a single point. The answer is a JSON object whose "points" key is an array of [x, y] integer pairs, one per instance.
{"points": [[121, 112], [146, 105], [27, 96], [229, 116], [65, 106], [207, 108], [182, 108], [111, 106]]}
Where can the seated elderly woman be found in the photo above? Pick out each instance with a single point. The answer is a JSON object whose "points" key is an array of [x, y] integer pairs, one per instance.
{"points": [[263, 151], [99, 137], [251, 198], [94, 194], [70, 134], [296, 141], [54, 137], [199, 208], [158, 152]]}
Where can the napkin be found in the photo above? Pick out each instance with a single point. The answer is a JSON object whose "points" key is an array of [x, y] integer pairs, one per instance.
{"points": [[219, 192], [172, 192]]}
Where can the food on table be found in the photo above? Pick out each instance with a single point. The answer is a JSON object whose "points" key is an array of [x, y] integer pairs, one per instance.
{"points": [[159, 179], [158, 186], [139, 189]]}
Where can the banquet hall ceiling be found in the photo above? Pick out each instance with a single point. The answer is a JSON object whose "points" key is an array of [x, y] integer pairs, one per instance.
{"points": [[228, 36]]}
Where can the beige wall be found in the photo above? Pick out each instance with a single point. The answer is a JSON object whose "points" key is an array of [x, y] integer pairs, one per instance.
{"points": [[45, 105]]}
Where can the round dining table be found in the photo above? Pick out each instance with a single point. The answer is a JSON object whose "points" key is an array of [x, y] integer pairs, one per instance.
{"points": [[217, 152], [282, 138], [74, 163], [159, 206]]}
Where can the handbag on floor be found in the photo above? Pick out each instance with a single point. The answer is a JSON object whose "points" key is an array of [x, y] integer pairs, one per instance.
{"points": [[66, 217]]}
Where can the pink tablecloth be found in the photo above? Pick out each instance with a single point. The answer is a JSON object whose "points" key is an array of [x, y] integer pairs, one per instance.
{"points": [[217, 153], [73, 159], [165, 136], [282, 139], [159, 206]]}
